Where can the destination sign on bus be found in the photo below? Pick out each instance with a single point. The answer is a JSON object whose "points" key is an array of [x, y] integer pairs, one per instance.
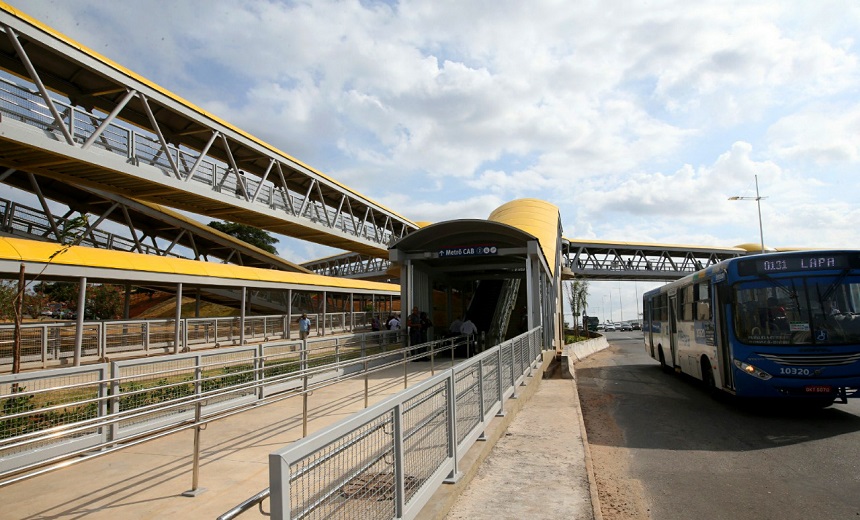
{"points": [[795, 263], [468, 251]]}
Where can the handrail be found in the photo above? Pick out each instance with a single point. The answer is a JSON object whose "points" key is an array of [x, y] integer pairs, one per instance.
{"points": [[248, 504], [359, 366]]}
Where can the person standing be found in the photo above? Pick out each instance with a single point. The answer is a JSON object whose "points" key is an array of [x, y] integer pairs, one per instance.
{"points": [[454, 329], [470, 330], [304, 326], [413, 321], [394, 322], [425, 327]]}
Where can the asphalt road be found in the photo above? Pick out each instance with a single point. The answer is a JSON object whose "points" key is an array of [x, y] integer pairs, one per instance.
{"points": [[696, 457]]}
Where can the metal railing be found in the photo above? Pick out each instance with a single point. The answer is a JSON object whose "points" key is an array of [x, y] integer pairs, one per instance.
{"points": [[21, 220], [142, 147], [50, 417], [54, 342], [386, 461]]}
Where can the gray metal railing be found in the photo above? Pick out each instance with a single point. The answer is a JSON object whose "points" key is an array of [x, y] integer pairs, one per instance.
{"points": [[142, 147], [54, 342], [50, 416], [385, 462]]}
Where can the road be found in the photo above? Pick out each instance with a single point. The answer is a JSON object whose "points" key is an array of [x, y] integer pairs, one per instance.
{"points": [[663, 449]]}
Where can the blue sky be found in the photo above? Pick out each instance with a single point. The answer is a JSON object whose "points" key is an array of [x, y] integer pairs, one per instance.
{"points": [[637, 119]]}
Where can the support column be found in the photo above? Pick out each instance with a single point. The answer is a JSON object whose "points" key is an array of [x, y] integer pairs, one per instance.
{"points": [[79, 327], [324, 308], [242, 316], [177, 320], [289, 320]]}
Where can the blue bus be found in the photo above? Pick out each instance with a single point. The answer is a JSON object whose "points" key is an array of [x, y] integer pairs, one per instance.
{"points": [[781, 325]]}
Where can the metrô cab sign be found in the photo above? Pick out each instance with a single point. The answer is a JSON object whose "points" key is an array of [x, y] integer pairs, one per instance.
{"points": [[461, 251]]}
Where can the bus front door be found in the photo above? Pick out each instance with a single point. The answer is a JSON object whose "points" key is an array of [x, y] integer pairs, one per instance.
{"points": [[724, 355]]}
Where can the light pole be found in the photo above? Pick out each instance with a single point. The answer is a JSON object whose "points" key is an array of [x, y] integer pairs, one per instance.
{"points": [[604, 310], [620, 303], [757, 200]]}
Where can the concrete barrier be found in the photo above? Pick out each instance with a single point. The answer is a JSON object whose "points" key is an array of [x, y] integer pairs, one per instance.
{"points": [[582, 349]]}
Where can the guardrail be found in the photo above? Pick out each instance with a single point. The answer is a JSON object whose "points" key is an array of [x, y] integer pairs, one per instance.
{"points": [[54, 342], [386, 461], [47, 417]]}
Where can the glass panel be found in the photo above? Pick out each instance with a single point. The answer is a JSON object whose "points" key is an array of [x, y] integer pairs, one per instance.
{"points": [[798, 311]]}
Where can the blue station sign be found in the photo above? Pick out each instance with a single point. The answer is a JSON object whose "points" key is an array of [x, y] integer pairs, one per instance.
{"points": [[468, 251]]}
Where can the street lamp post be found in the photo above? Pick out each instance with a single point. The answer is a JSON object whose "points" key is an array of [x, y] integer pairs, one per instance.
{"points": [[757, 200]]}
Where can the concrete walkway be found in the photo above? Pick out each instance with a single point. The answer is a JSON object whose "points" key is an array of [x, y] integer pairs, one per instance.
{"points": [[534, 463], [538, 468]]}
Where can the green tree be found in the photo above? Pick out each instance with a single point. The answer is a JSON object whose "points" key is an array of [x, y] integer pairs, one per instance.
{"points": [[8, 290], [577, 295], [254, 236]]}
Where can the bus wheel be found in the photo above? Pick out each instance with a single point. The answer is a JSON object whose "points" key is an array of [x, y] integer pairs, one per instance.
{"points": [[708, 378], [663, 366]]}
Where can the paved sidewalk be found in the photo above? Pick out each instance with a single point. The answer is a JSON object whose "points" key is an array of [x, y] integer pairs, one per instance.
{"points": [[538, 468]]}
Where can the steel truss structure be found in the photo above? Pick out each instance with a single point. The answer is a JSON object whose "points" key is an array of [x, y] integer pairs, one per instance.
{"points": [[627, 261], [88, 121], [151, 229], [352, 265]]}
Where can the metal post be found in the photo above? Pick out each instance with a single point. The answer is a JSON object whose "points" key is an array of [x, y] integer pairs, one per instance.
{"points": [[351, 312], [406, 367], [451, 389], [242, 316], [399, 473], [195, 472], [364, 357], [324, 309], [288, 323], [79, 327], [177, 323], [501, 412], [758, 203], [304, 365]]}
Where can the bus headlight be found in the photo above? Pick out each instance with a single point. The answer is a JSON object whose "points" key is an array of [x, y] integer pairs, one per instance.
{"points": [[751, 370]]}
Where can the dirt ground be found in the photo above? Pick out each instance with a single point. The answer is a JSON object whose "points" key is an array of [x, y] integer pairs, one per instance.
{"points": [[621, 496]]}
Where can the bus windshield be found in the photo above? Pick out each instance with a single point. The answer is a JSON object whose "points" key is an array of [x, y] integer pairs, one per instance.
{"points": [[820, 310]]}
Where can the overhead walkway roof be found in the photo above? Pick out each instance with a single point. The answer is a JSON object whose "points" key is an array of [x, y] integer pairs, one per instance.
{"points": [[132, 137], [57, 262]]}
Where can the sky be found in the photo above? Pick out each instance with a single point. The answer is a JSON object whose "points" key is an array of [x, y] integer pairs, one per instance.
{"points": [[638, 119]]}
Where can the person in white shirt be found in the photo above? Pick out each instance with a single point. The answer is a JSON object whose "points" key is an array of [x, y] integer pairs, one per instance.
{"points": [[394, 323]]}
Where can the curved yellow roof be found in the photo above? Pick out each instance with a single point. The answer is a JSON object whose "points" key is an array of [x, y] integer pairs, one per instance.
{"points": [[20, 250], [536, 217], [119, 68]]}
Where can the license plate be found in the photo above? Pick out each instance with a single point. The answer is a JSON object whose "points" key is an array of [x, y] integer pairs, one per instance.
{"points": [[818, 389]]}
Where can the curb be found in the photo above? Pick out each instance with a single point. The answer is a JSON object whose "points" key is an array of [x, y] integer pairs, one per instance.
{"points": [[589, 465]]}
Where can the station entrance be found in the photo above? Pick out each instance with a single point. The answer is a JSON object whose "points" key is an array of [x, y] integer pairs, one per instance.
{"points": [[493, 273]]}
